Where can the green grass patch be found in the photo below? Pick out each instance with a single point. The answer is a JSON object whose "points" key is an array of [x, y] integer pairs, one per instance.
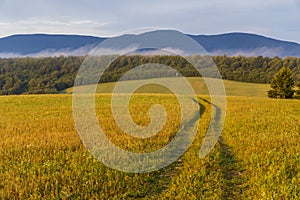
{"points": [[233, 88]]}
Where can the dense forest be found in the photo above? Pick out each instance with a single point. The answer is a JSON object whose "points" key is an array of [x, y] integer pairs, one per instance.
{"points": [[54, 74]]}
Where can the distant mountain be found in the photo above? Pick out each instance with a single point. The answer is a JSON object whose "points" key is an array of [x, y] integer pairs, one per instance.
{"points": [[44, 44], [229, 44], [247, 44]]}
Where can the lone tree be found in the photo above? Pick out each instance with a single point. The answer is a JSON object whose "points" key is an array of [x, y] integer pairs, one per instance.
{"points": [[282, 84]]}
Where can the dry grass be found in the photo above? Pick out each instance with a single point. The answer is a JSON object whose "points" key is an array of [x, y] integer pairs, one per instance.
{"points": [[42, 156]]}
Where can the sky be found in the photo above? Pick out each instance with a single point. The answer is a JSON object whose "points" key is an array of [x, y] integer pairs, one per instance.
{"points": [[273, 18]]}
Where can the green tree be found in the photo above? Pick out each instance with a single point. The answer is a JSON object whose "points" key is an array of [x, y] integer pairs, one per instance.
{"points": [[282, 84], [297, 95]]}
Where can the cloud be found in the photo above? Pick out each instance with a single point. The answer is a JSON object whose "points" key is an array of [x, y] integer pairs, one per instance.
{"points": [[275, 18], [51, 53], [132, 50], [263, 51], [163, 51], [56, 25], [92, 50]]}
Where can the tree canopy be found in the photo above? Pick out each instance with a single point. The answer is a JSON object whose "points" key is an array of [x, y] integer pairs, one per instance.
{"points": [[282, 84], [54, 74]]}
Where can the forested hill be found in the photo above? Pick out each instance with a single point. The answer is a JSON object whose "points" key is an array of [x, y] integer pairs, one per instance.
{"points": [[53, 74]]}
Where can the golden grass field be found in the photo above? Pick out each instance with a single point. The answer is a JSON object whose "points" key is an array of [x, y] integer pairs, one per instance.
{"points": [[233, 88], [42, 157]]}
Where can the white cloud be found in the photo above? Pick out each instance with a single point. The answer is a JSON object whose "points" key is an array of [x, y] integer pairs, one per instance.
{"points": [[58, 25], [51, 52], [91, 50], [264, 51]]}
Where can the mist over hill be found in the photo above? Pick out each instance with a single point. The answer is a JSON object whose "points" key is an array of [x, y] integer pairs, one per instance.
{"points": [[231, 44]]}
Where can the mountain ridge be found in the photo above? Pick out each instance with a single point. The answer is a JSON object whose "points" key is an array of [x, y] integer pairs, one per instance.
{"points": [[231, 44]]}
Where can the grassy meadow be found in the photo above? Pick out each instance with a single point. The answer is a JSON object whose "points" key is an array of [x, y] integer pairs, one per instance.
{"points": [[233, 88], [257, 157]]}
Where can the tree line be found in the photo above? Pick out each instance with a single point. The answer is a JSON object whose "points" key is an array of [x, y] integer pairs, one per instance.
{"points": [[54, 74]]}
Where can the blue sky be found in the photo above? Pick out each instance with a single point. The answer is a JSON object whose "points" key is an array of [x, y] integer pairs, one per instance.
{"points": [[275, 18]]}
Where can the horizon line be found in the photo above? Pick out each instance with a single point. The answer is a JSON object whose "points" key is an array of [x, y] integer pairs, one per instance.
{"points": [[114, 35]]}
